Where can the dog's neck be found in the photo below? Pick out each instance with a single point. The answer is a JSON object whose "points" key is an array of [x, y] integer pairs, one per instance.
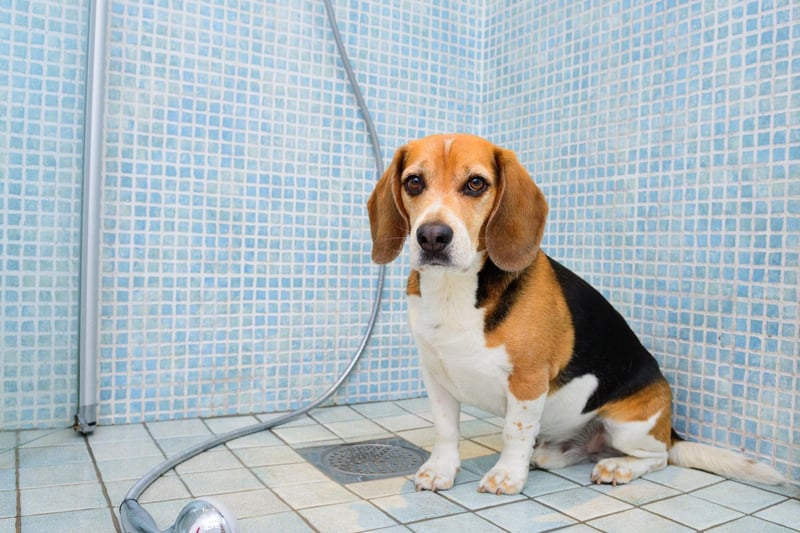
{"points": [[482, 281]]}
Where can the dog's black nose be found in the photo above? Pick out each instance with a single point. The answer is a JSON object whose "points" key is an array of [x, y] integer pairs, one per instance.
{"points": [[434, 237]]}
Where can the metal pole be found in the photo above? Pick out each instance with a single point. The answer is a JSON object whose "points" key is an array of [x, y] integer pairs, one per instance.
{"points": [[86, 417]]}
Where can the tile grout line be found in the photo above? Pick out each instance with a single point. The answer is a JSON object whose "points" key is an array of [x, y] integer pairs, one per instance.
{"points": [[103, 487], [18, 520]]}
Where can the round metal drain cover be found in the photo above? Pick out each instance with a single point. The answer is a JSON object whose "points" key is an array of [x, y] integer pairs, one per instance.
{"points": [[373, 459]]}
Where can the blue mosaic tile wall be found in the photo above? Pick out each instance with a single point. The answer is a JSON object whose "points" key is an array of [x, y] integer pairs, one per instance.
{"points": [[42, 74], [235, 270], [666, 136]]}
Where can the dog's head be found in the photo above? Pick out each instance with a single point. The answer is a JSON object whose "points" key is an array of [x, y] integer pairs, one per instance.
{"points": [[458, 196]]}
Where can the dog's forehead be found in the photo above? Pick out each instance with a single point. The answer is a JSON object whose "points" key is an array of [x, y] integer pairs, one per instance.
{"points": [[455, 152]]}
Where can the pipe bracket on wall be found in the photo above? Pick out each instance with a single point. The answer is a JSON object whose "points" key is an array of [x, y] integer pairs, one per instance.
{"points": [[86, 417]]}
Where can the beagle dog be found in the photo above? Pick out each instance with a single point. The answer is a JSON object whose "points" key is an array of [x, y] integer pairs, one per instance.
{"points": [[501, 326]]}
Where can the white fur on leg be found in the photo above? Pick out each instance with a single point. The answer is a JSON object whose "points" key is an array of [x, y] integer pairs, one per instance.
{"points": [[439, 471], [510, 473], [552, 457]]}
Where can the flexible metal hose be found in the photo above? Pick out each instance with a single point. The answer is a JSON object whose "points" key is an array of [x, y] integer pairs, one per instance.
{"points": [[134, 518]]}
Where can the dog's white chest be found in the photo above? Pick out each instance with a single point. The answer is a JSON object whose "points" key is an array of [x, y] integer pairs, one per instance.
{"points": [[449, 334]]}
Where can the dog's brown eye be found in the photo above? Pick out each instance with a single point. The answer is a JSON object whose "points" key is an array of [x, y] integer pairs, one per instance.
{"points": [[476, 185], [414, 185]]}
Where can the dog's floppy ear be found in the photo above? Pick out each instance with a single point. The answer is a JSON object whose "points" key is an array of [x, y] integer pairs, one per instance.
{"points": [[516, 224], [388, 221]]}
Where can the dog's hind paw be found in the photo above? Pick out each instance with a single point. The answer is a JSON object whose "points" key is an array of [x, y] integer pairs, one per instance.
{"points": [[611, 471]]}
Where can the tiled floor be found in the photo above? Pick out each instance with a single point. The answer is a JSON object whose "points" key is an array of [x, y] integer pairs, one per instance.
{"points": [[61, 481]]}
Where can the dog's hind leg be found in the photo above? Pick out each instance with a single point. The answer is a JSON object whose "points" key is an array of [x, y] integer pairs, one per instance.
{"points": [[639, 428]]}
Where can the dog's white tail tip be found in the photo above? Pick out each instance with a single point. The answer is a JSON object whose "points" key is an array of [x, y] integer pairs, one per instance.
{"points": [[723, 462]]}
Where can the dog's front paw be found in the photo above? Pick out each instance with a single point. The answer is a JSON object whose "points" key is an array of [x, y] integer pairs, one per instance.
{"points": [[436, 474], [503, 479]]}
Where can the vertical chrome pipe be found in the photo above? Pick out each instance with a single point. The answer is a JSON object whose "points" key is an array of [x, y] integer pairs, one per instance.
{"points": [[86, 417]]}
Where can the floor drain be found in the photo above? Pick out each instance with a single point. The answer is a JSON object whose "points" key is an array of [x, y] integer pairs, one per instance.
{"points": [[364, 461]]}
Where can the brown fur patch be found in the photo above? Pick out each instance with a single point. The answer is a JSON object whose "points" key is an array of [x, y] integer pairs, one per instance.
{"points": [[412, 287], [642, 405], [536, 331]]}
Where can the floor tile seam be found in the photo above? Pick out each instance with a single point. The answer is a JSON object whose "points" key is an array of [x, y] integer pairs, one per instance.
{"points": [[770, 521], [727, 506], [18, 518], [673, 519], [300, 510], [103, 488], [449, 515], [164, 457]]}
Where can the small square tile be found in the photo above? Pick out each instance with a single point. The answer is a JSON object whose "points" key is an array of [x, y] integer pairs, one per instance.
{"points": [[359, 428], [347, 517], [738, 496], [226, 424], [123, 432], [401, 422], [467, 495], [636, 521], [415, 506], [174, 445], [526, 516], [683, 479], [583, 503], [49, 476], [108, 451], [638, 492], [493, 441], [460, 522], [415, 405], [379, 409], [220, 482], [65, 498], [480, 428], [191, 427], [288, 474], [314, 494], [750, 524], [164, 488], [468, 449], [85, 520], [250, 503], [341, 413], [55, 455], [45, 438], [692, 511], [127, 469], [382, 487], [305, 434], [214, 459], [542, 482], [8, 503], [480, 464], [289, 522], [262, 438], [580, 473], [267, 455], [786, 513]]}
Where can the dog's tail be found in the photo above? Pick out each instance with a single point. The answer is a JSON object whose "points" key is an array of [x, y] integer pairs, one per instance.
{"points": [[722, 462]]}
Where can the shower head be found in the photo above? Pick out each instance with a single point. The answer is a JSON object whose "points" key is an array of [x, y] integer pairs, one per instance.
{"points": [[199, 516]]}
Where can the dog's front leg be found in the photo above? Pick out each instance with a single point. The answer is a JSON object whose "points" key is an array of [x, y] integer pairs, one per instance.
{"points": [[439, 471], [521, 427]]}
